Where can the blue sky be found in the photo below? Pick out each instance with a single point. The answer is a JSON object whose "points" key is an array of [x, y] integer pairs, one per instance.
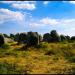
{"points": [[40, 16]]}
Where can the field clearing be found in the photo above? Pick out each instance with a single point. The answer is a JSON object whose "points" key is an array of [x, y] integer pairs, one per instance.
{"points": [[47, 58]]}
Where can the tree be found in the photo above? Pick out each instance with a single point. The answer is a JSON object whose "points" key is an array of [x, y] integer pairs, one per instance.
{"points": [[47, 37], [55, 36], [1, 40]]}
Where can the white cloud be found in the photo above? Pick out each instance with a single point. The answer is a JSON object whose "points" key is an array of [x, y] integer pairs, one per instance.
{"points": [[29, 5], [11, 2], [72, 2], [67, 25], [24, 6], [60, 23], [8, 2], [64, 26], [33, 24], [45, 2], [44, 22], [48, 21], [8, 15]]}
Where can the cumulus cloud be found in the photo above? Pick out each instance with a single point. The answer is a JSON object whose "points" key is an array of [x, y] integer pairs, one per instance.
{"points": [[45, 2], [29, 5], [8, 2], [72, 2], [63, 26], [24, 6], [11, 2], [53, 22], [44, 22], [48, 21], [8, 15]]}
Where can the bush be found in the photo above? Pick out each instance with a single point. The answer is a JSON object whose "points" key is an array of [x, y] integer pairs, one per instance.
{"points": [[42, 45], [71, 59], [49, 53], [6, 68], [5, 46]]}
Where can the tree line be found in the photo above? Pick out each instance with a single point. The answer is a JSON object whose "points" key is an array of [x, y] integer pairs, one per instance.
{"points": [[33, 38]]}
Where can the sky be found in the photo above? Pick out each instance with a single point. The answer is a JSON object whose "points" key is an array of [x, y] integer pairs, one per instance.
{"points": [[37, 16]]}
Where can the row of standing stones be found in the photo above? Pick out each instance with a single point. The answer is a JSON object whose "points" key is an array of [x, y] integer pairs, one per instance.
{"points": [[33, 38]]}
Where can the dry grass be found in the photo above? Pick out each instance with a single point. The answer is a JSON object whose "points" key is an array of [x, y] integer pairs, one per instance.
{"points": [[34, 61]]}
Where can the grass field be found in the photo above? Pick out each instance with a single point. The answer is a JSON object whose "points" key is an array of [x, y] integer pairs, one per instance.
{"points": [[47, 58]]}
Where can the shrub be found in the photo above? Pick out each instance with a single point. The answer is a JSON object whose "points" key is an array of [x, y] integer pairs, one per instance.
{"points": [[5, 46], [71, 59], [6, 68], [43, 45], [49, 53]]}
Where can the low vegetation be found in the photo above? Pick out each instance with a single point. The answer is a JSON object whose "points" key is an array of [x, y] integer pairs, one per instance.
{"points": [[30, 53]]}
